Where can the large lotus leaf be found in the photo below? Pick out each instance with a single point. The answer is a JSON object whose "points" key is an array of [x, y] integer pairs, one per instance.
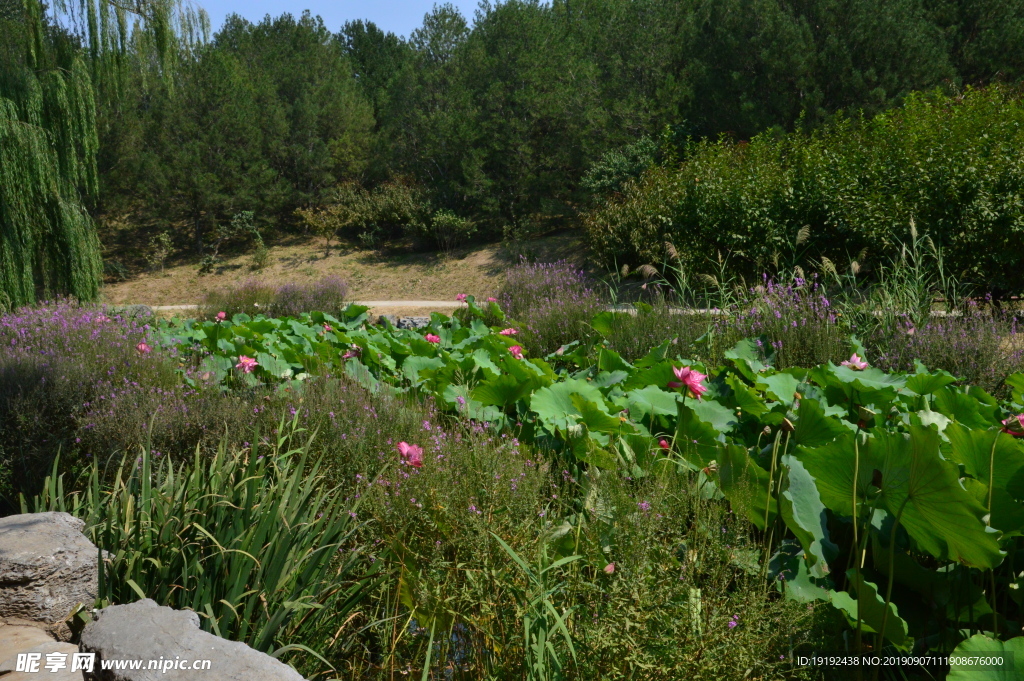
{"points": [[502, 391], [655, 356], [696, 440], [926, 384], [592, 451], [923, 491], [710, 411], [604, 322], [780, 386], [651, 400], [745, 397], [606, 379], [1006, 513], [496, 311], [471, 408], [813, 427], [868, 379], [832, 467], [747, 356], [657, 375], [609, 360], [789, 570], [805, 515], [482, 360], [966, 408], [595, 416], [358, 371], [871, 609], [554, 405], [217, 365], [908, 573], [927, 417], [273, 366], [412, 367], [745, 485], [965, 658], [353, 312], [978, 449]]}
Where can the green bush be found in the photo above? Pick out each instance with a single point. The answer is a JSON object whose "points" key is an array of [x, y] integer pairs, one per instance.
{"points": [[952, 165], [448, 231], [370, 215]]}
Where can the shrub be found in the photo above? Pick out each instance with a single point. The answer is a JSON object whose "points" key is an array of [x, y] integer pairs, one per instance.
{"points": [[952, 164], [553, 302], [254, 296], [448, 231], [372, 216]]}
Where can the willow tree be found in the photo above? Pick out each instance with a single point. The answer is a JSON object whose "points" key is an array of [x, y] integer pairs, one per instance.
{"points": [[48, 131]]}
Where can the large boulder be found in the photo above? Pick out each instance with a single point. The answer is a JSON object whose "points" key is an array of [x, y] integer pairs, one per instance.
{"points": [[146, 631], [53, 659], [47, 568]]}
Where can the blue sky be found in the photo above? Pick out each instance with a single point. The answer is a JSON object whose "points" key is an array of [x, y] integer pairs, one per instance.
{"points": [[397, 16]]}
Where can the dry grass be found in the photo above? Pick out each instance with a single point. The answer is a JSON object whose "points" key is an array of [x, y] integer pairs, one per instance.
{"points": [[370, 275]]}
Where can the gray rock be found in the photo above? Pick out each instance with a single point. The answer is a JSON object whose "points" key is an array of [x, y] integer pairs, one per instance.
{"points": [[137, 311], [146, 631], [47, 567], [15, 640], [404, 322], [413, 322]]}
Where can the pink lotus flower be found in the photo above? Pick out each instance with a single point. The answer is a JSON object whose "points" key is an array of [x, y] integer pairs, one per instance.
{"points": [[411, 454], [663, 443], [246, 364], [507, 332], [689, 378], [461, 297], [1014, 425], [516, 351], [492, 300], [431, 338], [353, 351], [327, 327], [609, 569], [144, 348], [855, 363], [221, 316]]}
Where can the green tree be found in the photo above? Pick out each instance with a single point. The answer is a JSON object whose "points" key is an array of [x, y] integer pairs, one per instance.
{"points": [[48, 243]]}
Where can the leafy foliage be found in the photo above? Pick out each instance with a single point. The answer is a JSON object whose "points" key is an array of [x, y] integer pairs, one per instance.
{"points": [[805, 454], [207, 536], [850, 189]]}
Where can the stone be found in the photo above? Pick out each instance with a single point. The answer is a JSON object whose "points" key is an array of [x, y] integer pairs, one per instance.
{"points": [[15, 640], [47, 567], [404, 322], [137, 311], [146, 631], [413, 322]]}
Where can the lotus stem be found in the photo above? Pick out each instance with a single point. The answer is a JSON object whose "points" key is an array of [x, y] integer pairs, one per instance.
{"points": [[888, 586]]}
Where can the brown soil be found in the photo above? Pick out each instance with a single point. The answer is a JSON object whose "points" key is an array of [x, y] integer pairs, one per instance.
{"points": [[370, 275]]}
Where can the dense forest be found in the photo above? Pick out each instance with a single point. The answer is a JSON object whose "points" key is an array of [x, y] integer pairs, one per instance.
{"points": [[509, 121]]}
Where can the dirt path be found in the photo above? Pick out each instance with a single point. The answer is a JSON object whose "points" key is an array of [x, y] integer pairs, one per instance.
{"points": [[398, 308], [413, 280]]}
